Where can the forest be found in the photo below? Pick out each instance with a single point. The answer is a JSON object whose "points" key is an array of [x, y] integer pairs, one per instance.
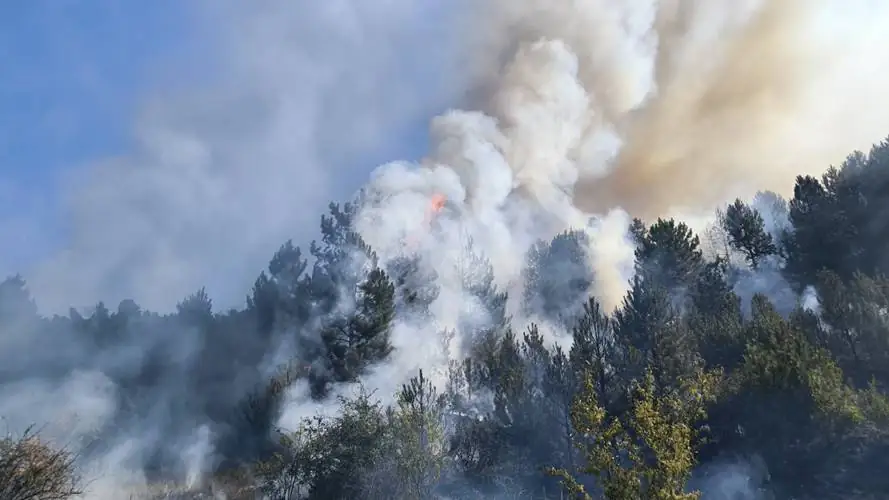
{"points": [[748, 361]]}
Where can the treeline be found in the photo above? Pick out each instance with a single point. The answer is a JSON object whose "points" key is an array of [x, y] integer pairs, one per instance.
{"points": [[765, 339]]}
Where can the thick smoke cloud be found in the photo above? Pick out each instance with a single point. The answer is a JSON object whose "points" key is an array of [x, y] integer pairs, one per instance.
{"points": [[707, 100], [666, 106], [567, 115], [585, 113], [594, 109]]}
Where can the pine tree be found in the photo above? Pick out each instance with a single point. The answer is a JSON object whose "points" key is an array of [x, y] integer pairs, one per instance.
{"points": [[280, 299], [341, 259], [417, 439], [196, 310], [747, 233], [668, 254], [715, 317], [594, 350], [820, 235], [652, 335], [362, 337], [855, 313]]}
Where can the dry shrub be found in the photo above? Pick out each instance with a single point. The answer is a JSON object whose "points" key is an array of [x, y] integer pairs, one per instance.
{"points": [[31, 469]]}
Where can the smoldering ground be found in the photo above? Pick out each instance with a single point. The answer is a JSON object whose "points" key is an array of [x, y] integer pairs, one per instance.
{"points": [[568, 115]]}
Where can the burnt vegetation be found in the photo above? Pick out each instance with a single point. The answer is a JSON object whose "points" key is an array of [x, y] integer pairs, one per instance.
{"points": [[701, 365]]}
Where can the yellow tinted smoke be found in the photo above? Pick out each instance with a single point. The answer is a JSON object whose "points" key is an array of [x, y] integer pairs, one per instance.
{"points": [[710, 99]]}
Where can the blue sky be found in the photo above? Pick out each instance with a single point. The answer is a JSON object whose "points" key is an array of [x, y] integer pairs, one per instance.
{"points": [[72, 72], [151, 148]]}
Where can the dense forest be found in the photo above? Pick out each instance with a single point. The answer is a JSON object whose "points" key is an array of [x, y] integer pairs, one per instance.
{"points": [[749, 361]]}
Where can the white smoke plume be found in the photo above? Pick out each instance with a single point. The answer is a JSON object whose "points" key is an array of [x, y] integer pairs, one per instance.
{"points": [[584, 112], [652, 106], [573, 114]]}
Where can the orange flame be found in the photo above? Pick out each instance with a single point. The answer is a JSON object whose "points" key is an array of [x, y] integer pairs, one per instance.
{"points": [[437, 202], [435, 205]]}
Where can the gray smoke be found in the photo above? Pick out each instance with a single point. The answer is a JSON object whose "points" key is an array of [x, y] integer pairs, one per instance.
{"points": [[567, 115]]}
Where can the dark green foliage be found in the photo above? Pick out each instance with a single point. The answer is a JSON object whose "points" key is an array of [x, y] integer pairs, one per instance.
{"points": [[339, 258], [746, 230], [677, 376], [820, 237], [651, 332], [594, 350], [279, 299], [714, 317], [854, 311], [326, 458], [361, 337], [839, 221], [262, 408], [668, 254], [195, 311]]}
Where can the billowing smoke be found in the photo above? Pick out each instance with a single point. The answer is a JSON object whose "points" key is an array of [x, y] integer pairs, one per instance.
{"points": [[690, 102], [588, 111], [576, 115], [651, 106]]}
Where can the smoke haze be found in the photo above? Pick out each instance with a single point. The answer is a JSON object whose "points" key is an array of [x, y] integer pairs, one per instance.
{"points": [[653, 107], [300, 100], [561, 115]]}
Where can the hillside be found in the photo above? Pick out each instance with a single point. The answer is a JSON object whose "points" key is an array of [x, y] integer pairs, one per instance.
{"points": [[749, 359]]}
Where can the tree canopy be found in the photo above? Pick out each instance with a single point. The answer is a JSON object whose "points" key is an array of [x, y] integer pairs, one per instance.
{"points": [[694, 368]]}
